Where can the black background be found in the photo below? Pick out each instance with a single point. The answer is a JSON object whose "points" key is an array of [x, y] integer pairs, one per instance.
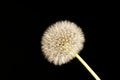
{"points": [[26, 60]]}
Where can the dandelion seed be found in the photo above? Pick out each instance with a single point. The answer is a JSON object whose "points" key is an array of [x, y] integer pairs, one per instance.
{"points": [[62, 42]]}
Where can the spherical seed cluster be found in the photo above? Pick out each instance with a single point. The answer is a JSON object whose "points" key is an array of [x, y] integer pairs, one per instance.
{"points": [[61, 41]]}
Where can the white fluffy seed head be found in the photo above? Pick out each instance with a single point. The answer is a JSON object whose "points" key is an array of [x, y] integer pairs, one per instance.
{"points": [[61, 41]]}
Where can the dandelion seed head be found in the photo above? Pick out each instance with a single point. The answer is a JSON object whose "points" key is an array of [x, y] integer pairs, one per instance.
{"points": [[61, 41]]}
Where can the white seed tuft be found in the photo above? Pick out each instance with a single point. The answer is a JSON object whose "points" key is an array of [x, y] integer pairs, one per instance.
{"points": [[61, 41]]}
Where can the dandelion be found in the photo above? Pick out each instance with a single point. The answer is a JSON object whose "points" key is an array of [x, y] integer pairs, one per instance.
{"points": [[62, 42]]}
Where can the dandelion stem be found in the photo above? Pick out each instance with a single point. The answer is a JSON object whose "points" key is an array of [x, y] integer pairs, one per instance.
{"points": [[87, 67]]}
